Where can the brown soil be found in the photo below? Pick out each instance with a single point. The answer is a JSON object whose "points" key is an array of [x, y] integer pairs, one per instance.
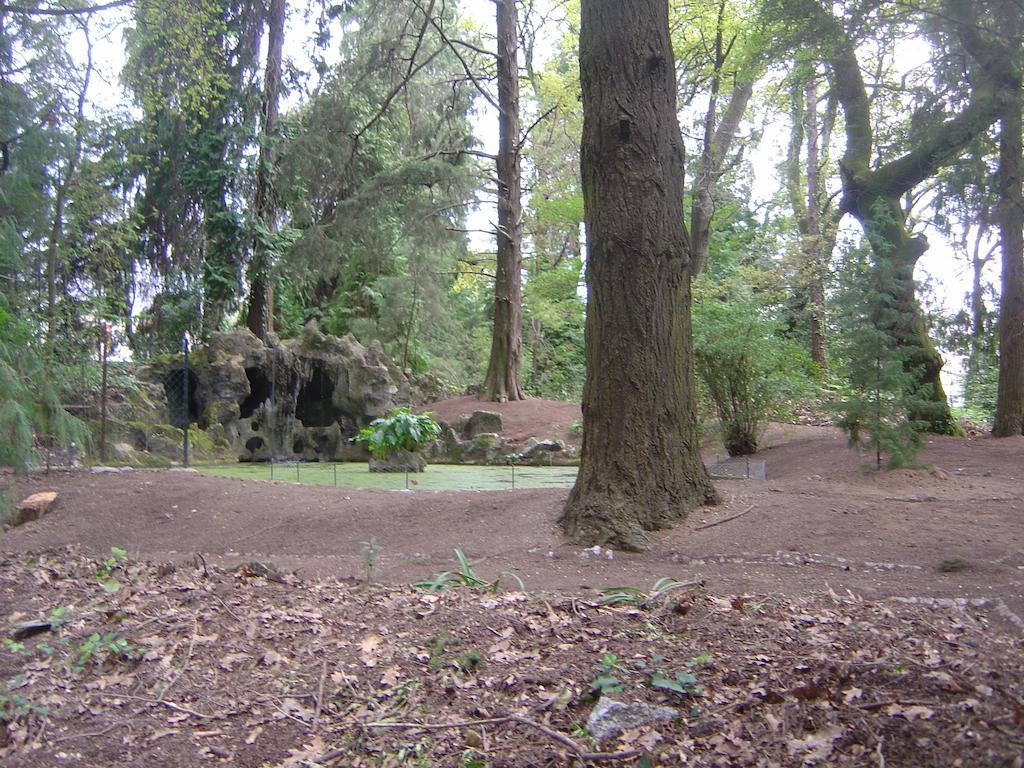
{"points": [[520, 419], [855, 576]]}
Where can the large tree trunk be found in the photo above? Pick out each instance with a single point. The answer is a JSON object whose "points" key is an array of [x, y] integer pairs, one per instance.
{"points": [[1010, 399], [641, 468], [502, 380], [260, 318]]}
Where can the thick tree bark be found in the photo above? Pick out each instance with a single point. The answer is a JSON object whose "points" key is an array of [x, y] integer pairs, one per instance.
{"points": [[1009, 418], [260, 317], [502, 381], [814, 246], [817, 227], [640, 468]]}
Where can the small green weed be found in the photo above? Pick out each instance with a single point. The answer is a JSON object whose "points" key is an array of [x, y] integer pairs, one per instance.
{"points": [[465, 576], [98, 648], [105, 570], [438, 647], [16, 647], [607, 679], [953, 564], [14, 706], [469, 661], [679, 684], [640, 598]]}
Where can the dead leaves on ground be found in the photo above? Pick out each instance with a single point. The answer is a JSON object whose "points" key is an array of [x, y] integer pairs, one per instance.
{"points": [[268, 672]]}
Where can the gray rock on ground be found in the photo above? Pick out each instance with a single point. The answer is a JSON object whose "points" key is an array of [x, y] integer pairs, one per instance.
{"points": [[609, 717]]}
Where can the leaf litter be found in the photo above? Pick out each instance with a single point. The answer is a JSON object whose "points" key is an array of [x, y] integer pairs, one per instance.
{"points": [[218, 667]]}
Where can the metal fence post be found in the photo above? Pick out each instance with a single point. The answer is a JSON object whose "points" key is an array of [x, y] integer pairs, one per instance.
{"points": [[272, 411], [105, 338], [184, 403]]}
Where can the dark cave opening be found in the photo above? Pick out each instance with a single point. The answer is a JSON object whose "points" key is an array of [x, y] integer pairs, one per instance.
{"points": [[260, 391], [314, 406]]}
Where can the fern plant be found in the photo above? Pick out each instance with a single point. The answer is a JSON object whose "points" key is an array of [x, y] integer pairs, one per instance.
{"points": [[30, 402]]}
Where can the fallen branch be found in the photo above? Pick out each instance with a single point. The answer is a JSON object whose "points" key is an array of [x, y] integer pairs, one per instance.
{"points": [[184, 665], [725, 519], [875, 705], [89, 734], [320, 697], [552, 734]]}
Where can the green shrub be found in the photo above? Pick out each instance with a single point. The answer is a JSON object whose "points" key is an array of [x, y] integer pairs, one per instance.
{"points": [[402, 430], [749, 370]]}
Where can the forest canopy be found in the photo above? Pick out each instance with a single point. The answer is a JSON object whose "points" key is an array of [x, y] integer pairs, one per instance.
{"points": [[409, 172]]}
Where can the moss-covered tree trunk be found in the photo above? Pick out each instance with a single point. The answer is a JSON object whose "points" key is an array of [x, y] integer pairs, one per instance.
{"points": [[640, 468], [896, 253], [503, 381], [1009, 418]]}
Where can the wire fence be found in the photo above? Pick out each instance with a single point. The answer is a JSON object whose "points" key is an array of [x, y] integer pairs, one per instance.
{"points": [[437, 477]]}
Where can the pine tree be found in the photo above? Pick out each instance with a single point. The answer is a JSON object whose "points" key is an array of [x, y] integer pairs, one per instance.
{"points": [[881, 387]]}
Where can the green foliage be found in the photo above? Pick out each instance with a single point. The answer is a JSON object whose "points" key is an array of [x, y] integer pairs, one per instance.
{"points": [[99, 648], [641, 598], [750, 369], [465, 576], [679, 683], [31, 408], [607, 679], [880, 383], [402, 430], [105, 570]]}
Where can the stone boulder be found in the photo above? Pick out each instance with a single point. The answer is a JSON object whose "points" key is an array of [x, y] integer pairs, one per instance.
{"points": [[486, 448], [609, 717], [301, 399], [480, 423], [35, 506], [399, 461]]}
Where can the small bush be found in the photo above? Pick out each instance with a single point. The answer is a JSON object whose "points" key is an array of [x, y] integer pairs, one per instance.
{"points": [[749, 370], [402, 430]]}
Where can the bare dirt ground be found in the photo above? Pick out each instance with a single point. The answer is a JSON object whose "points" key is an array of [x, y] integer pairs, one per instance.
{"points": [[848, 618], [520, 419]]}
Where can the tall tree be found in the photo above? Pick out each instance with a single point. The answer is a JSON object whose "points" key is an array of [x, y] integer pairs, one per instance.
{"points": [[874, 186], [1009, 419], [817, 219], [260, 316], [502, 380], [640, 468]]}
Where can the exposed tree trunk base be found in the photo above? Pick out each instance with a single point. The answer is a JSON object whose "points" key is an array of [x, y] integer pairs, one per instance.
{"points": [[502, 381], [640, 468]]}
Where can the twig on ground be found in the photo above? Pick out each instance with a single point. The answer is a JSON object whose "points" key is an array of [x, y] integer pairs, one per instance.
{"points": [[713, 523], [185, 663], [552, 734], [320, 697], [198, 558], [89, 734], [880, 754], [227, 607], [168, 704], [874, 705]]}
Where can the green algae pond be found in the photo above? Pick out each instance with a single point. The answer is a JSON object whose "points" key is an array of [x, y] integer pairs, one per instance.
{"points": [[437, 477]]}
